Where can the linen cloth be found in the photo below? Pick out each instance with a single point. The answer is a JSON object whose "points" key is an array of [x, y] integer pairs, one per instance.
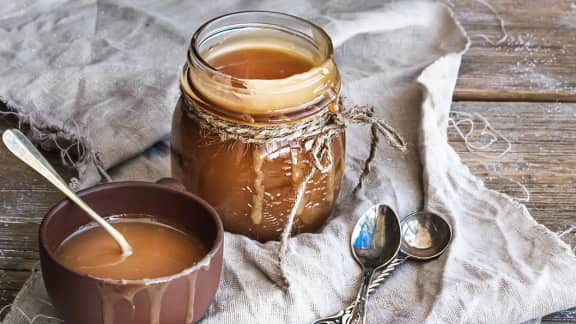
{"points": [[103, 75]]}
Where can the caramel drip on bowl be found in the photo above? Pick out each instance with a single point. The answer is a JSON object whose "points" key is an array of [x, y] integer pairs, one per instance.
{"points": [[191, 297], [156, 293], [111, 294]]}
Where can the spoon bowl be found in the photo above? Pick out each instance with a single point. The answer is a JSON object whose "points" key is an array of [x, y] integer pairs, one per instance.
{"points": [[375, 241], [425, 236]]}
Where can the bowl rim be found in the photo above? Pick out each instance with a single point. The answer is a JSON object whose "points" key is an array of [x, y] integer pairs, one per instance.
{"points": [[203, 263]]}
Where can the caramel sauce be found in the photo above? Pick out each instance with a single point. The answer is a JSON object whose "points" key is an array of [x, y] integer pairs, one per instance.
{"points": [[113, 294], [159, 251], [253, 186], [260, 63]]}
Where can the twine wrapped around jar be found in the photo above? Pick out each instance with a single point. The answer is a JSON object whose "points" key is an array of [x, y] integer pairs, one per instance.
{"points": [[324, 125]]}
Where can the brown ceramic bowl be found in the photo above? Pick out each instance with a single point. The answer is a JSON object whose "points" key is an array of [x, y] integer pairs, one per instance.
{"points": [[176, 299]]}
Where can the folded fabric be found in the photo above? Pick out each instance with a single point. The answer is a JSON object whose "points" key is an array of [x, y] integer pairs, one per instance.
{"points": [[104, 74]]}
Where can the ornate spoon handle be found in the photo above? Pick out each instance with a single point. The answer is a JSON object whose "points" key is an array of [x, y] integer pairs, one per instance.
{"points": [[379, 279], [344, 316]]}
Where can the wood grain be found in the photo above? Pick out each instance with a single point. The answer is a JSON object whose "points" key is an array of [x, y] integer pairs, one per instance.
{"points": [[537, 61], [542, 158], [24, 199]]}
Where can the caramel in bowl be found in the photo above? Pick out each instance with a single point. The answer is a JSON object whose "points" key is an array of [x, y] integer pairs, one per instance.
{"points": [[176, 286]]}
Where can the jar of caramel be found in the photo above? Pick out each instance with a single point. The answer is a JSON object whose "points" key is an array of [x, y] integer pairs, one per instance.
{"points": [[254, 131]]}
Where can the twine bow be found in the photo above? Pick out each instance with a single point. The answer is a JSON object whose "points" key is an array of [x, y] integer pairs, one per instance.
{"points": [[355, 115], [324, 125]]}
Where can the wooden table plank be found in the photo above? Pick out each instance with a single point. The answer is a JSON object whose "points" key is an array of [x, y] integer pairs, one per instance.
{"points": [[537, 61], [543, 137], [24, 199], [10, 283], [542, 158]]}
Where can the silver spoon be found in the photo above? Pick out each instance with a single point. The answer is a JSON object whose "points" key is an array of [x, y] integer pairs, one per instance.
{"points": [[375, 241], [425, 236], [22, 148]]}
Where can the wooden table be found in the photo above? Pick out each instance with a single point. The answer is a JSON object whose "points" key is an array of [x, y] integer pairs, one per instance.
{"points": [[524, 86]]}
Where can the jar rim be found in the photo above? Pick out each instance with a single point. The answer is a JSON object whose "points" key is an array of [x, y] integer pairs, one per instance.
{"points": [[194, 53]]}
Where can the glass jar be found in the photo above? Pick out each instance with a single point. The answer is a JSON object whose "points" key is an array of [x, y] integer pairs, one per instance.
{"points": [[259, 71]]}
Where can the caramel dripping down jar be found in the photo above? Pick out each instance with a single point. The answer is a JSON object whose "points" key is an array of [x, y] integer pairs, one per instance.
{"points": [[253, 182]]}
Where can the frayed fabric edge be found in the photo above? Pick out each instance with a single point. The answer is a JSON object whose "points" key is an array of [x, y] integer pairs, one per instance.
{"points": [[52, 136]]}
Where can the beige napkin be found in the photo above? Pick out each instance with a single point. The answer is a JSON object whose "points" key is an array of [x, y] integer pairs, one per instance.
{"points": [[104, 73]]}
